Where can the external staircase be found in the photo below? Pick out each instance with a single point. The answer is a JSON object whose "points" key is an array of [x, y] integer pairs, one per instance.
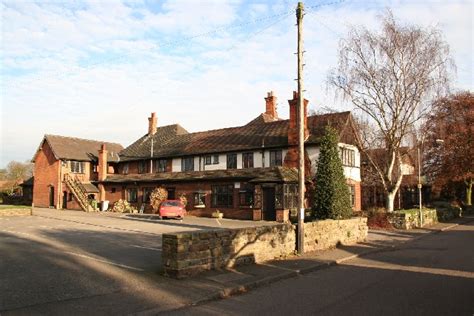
{"points": [[78, 191]]}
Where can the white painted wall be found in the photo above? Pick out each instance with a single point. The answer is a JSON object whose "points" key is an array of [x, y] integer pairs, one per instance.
{"points": [[313, 156], [407, 169], [349, 172], [196, 163], [176, 165], [352, 172], [257, 159], [221, 165]]}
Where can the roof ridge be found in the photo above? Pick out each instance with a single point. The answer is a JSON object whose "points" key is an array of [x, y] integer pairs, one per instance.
{"points": [[83, 139]]}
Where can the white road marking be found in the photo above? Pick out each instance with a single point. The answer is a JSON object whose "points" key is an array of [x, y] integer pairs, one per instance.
{"points": [[104, 261], [149, 248]]}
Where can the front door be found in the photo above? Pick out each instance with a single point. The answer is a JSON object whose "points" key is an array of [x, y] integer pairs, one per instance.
{"points": [[64, 200], [269, 213], [51, 196], [171, 194]]}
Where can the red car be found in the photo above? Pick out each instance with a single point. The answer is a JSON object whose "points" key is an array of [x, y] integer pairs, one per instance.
{"points": [[172, 208]]}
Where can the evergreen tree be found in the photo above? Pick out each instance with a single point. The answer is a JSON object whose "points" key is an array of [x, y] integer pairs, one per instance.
{"points": [[331, 198]]}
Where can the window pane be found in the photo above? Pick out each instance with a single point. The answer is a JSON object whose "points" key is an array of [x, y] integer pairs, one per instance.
{"points": [[232, 161], [222, 196], [187, 164], [132, 195], [275, 158], [247, 160]]}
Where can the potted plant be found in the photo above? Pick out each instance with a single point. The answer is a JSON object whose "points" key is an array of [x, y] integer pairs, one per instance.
{"points": [[217, 214]]}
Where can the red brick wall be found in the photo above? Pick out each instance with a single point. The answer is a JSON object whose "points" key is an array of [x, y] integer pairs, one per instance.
{"points": [[46, 174], [358, 194], [188, 189]]}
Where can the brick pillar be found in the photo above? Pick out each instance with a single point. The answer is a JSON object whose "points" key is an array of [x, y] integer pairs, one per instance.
{"points": [[283, 216]]}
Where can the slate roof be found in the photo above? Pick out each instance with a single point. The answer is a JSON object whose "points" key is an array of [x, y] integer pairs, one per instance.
{"points": [[72, 148], [273, 174], [263, 131]]}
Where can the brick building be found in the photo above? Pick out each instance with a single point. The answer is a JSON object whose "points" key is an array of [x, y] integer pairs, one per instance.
{"points": [[65, 170], [246, 172]]}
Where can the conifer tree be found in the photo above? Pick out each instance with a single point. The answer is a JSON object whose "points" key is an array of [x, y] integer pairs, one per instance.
{"points": [[331, 200]]}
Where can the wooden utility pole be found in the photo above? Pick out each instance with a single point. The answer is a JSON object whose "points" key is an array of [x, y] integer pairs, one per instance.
{"points": [[301, 188]]}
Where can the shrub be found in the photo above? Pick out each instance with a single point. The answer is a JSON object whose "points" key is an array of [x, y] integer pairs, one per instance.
{"points": [[377, 219], [157, 196], [331, 198], [122, 206]]}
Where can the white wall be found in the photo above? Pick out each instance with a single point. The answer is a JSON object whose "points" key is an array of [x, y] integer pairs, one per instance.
{"points": [[349, 172], [221, 165], [352, 172], [313, 156], [176, 165]]}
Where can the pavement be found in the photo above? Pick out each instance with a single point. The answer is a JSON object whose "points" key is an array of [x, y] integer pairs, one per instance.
{"points": [[55, 263], [245, 278]]}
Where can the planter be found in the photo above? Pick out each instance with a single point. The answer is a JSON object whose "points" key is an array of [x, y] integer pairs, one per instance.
{"points": [[218, 215]]}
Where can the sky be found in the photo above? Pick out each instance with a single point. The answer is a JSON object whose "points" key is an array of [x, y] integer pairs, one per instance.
{"points": [[97, 69]]}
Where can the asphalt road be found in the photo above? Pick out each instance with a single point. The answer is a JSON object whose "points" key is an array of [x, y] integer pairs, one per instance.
{"points": [[430, 276], [63, 262]]}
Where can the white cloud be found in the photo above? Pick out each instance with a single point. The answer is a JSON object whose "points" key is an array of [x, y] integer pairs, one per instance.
{"points": [[100, 68]]}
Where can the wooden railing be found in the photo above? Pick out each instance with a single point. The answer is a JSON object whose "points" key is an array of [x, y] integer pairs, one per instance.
{"points": [[78, 191]]}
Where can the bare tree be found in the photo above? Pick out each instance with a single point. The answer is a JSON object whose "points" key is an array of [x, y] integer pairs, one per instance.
{"points": [[16, 172], [391, 76]]}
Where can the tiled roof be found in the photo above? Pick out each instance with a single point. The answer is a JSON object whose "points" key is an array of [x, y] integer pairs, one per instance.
{"points": [[172, 141], [142, 147], [89, 187], [71, 148], [274, 174]]}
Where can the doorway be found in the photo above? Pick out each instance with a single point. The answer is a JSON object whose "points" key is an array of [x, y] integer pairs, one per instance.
{"points": [[269, 213], [65, 200], [171, 194], [51, 197]]}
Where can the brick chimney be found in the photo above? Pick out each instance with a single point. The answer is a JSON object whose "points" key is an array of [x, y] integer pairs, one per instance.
{"points": [[152, 124], [271, 105], [293, 128], [102, 168]]}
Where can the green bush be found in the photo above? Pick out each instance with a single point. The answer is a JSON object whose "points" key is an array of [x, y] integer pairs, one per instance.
{"points": [[331, 198]]}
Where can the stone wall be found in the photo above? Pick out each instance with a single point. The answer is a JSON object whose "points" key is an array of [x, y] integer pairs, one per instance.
{"points": [[186, 254], [326, 234], [409, 219], [16, 212]]}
